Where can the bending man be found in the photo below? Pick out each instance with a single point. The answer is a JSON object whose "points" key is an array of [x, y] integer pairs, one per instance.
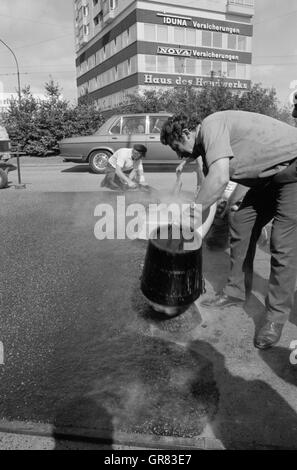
{"points": [[259, 152], [124, 169]]}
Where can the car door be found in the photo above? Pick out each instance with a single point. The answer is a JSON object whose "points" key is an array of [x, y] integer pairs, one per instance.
{"points": [[128, 131], [157, 152]]}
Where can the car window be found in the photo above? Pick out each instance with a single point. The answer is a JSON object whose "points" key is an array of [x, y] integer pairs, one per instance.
{"points": [[156, 123], [133, 125], [116, 128]]}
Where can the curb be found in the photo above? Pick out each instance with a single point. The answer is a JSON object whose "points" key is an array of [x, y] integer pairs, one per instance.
{"points": [[125, 440]]}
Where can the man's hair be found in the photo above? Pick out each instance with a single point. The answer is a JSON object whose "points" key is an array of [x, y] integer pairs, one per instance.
{"points": [[140, 149], [174, 127]]}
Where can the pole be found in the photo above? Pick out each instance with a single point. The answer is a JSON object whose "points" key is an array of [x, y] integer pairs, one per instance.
{"points": [[17, 66], [19, 185], [19, 170]]}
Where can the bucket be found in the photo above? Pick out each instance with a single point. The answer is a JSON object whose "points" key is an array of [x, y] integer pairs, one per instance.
{"points": [[172, 273], [4, 146]]}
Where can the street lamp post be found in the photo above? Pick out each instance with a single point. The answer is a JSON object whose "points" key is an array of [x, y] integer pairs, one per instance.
{"points": [[17, 66], [17, 153]]}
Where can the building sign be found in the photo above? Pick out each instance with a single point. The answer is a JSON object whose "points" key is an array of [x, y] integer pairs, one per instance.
{"points": [[188, 22], [182, 52], [174, 80]]}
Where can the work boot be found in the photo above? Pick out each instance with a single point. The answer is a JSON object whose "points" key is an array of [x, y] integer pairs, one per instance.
{"points": [[222, 300], [268, 335]]}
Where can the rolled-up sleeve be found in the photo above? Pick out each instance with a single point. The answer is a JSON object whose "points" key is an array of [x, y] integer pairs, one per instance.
{"points": [[216, 140]]}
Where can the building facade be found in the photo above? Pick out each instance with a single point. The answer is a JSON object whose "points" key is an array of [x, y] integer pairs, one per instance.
{"points": [[123, 46]]}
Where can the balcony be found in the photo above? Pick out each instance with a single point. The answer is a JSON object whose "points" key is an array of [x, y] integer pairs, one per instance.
{"points": [[109, 16], [241, 7]]}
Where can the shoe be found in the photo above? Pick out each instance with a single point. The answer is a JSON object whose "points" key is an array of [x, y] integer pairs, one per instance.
{"points": [[268, 335], [222, 300]]}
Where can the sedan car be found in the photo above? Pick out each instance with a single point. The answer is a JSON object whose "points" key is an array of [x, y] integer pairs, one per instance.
{"points": [[120, 131]]}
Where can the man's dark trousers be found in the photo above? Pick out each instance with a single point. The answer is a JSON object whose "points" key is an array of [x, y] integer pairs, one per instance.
{"points": [[111, 179], [276, 200]]}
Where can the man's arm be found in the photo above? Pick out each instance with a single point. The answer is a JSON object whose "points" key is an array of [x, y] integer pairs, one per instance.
{"points": [[214, 184], [123, 177], [185, 162], [138, 173]]}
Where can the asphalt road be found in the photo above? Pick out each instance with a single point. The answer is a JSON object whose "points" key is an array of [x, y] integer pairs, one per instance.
{"points": [[83, 350], [53, 175]]}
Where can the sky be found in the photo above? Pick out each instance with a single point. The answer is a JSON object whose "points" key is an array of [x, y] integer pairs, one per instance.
{"points": [[41, 33]]}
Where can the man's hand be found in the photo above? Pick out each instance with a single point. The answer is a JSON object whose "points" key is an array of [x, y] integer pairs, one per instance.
{"points": [[131, 184], [192, 216], [180, 168]]}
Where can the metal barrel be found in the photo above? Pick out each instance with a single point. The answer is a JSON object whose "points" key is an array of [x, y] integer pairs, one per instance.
{"points": [[172, 272]]}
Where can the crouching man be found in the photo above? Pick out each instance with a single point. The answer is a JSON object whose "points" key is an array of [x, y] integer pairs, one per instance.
{"points": [[260, 153], [124, 169]]}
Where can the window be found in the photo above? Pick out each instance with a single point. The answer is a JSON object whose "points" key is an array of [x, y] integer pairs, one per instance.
{"points": [[231, 70], [91, 62], [107, 50], [93, 84], [162, 33], [133, 125], [85, 10], [116, 128], [113, 46], [100, 56], [122, 70], [162, 64], [86, 30], [242, 43], [231, 41], [125, 39], [179, 36], [150, 63], [98, 19], [205, 67], [95, 2], [179, 64], [216, 68], [149, 32], [156, 124], [113, 4], [191, 37], [217, 40], [190, 67], [206, 38], [241, 71], [133, 64], [132, 34]]}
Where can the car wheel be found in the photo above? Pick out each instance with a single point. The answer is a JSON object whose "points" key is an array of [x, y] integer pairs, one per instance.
{"points": [[3, 179], [98, 161]]}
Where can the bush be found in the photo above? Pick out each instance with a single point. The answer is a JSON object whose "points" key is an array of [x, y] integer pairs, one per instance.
{"points": [[36, 126]]}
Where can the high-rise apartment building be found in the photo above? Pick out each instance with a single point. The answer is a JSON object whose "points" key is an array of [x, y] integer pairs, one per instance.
{"points": [[126, 45]]}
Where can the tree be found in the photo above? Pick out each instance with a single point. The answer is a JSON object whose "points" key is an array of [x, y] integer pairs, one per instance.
{"points": [[208, 100], [36, 126]]}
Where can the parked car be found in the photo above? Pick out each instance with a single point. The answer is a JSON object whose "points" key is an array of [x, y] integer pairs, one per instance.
{"points": [[117, 132], [4, 156]]}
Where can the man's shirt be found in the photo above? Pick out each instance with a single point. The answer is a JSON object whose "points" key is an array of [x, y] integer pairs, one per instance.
{"points": [[123, 158], [258, 146], [3, 133]]}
